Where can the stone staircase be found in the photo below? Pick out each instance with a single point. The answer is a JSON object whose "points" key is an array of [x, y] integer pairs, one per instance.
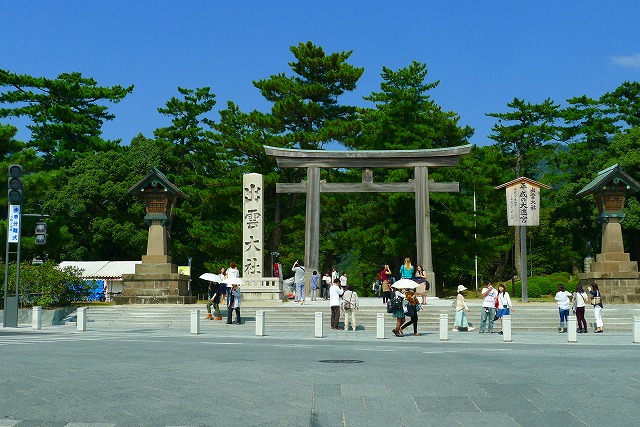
{"points": [[533, 317]]}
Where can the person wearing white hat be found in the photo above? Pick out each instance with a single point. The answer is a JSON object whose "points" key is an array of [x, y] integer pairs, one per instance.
{"points": [[461, 323]]}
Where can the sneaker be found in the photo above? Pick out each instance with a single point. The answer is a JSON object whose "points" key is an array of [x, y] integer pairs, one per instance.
{"points": [[481, 332], [471, 328], [454, 330], [500, 333], [219, 318]]}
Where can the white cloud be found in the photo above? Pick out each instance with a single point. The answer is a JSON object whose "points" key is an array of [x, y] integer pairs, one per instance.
{"points": [[630, 61]]}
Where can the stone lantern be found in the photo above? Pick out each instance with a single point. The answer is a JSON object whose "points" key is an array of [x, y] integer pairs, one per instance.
{"points": [[613, 268], [156, 280]]}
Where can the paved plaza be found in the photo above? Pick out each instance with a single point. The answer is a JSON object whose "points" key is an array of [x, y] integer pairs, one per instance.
{"points": [[226, 375]]}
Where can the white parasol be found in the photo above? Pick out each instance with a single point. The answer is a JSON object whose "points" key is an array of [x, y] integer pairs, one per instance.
{"points": [[212, 277], [405, 284], [230, 281]]}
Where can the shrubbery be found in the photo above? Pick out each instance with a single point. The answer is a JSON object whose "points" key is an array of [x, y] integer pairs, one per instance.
{"points": [[539, 286], [49, 286]]}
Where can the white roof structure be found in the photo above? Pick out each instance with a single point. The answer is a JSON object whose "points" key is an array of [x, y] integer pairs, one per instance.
{"points": [[103, 269]]}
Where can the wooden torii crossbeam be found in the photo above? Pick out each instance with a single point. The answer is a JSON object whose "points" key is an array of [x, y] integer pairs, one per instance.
{"points": [[367, 160]]}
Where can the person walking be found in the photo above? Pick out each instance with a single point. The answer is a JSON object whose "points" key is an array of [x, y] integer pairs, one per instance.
{"points": [[412, 307], [234, 304], [398, 313], [406, 270], [210, 294], [385, 275], [580, 301], [313, 284], [489, 295], [298, 280], [461, 323], [335, 291], [563, 298], [504, 305], [596, 300], [350, 304]]}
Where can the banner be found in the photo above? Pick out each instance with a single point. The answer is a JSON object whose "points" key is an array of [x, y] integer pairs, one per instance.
{"points": [[13, 234]]}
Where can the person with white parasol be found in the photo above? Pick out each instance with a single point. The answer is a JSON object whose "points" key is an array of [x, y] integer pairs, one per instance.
{"points": [[213, 295], [233, 303], [398, 309]]}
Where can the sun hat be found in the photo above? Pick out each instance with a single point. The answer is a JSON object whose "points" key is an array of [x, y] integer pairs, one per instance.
{"points": [[461, 288]]}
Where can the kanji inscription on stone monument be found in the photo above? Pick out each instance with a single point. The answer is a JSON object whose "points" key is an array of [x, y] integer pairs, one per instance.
{"points": [[252, 214]]}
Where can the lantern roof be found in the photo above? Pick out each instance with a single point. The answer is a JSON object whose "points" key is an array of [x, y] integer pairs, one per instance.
{"points": [[523, 179], [611, 174], [156, 178]]}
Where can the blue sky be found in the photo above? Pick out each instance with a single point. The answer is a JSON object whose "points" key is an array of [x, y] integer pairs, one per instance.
{"points": [[483, 53]]}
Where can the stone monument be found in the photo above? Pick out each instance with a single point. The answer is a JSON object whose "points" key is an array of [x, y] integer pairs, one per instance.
{"points": [[156, 280], [614, 272], [255, 285]]}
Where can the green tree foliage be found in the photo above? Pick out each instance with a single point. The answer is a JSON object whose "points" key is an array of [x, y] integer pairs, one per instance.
{"points": [[66, 113], [528, 127], [306, 112], [92, 212], [405, 117]]}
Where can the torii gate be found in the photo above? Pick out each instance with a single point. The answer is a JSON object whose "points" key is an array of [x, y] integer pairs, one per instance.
{"points": [[420, 160]]}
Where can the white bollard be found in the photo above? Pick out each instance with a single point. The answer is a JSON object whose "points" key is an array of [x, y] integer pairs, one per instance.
{"points": [[36, 318], [571, 329], [636, 329], [318, 332], [380, 326], [260, 323], [195, 322], [444, 327], [506, 328], [81, 319]]}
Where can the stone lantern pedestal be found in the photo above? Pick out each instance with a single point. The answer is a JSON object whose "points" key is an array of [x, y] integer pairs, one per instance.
{"points": [[156, 280]]}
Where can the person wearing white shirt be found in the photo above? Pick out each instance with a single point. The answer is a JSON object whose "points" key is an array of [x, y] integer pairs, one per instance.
{"points": [[298, 280], [489, 295], [562, 297], [334, 302], [504, 305]]}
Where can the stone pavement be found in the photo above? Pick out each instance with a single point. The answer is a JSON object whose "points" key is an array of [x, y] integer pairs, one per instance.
{"points": [[159, 376]]}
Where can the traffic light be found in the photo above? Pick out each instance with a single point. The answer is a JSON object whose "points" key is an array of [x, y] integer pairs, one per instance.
{"points": [[41, 232], [15, 185]]}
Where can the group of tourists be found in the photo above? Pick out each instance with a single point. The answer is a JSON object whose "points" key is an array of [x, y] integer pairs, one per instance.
{"points": [[402, 300], [496, 303], [219, 292], [578, 302]]}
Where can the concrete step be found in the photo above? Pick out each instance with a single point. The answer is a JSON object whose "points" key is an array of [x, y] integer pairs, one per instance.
{"points": [[296, 317]]}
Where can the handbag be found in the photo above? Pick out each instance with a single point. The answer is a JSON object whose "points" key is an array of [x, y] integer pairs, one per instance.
{"points": [[347, 304], [411, 310], [393, 304], [597, 300]]}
